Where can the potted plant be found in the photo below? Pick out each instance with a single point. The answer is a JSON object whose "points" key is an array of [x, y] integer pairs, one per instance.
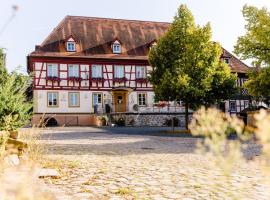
{"points": [[103, 120]]}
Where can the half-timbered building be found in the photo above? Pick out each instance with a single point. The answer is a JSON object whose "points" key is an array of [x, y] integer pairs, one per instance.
{"points": [[96, 65]]}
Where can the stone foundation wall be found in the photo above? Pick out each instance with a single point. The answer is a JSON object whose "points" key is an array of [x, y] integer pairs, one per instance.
{"points": [[150, 119]]}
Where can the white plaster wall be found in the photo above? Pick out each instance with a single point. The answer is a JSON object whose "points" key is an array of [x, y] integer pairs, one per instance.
{"points": [[86, 104], [133, 99]]}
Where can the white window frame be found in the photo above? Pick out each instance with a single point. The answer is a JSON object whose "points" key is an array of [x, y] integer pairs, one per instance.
{"points": [[74, 99], [98, 97], [141, 72], [71, 46], [52, 70], [73, 70], [142, 99], [116, 47], [97, 71], [119, 71], [50, 98]]}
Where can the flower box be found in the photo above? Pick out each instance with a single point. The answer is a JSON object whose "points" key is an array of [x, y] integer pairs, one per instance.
{"points": [[52, 78], [98, 79], [74, 78], [141, 80], [119, 79]]}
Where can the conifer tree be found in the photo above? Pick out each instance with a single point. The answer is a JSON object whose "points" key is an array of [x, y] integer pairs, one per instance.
{"points": [[15, 111]]}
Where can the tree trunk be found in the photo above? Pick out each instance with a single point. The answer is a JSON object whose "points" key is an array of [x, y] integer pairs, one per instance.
{"points": [[186, 115]]}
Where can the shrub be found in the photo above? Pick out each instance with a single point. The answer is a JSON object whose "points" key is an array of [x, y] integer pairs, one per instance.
{"points": [[15, 111]]}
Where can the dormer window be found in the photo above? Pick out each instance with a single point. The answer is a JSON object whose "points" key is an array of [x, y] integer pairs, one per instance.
{"points": [[227, 60], [71, 46], [116, 47], [153, 45]]}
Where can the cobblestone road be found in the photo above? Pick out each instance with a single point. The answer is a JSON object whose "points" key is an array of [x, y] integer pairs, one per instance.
{"points": [[100, 165]]}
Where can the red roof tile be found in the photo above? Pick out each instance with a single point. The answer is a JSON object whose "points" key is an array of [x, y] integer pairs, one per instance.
{"points": [[95, 35]]}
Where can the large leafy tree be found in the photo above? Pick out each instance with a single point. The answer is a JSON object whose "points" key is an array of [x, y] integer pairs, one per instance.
{"points": [[255, 45], [186, 64], [15, 111]]}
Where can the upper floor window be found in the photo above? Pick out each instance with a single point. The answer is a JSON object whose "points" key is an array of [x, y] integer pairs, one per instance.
{"points": [[227, 60], [140, 72], [73, 70], [52, 70], [96, 71], [71, 46], [116, 47], [153, 44], [119, 71]]}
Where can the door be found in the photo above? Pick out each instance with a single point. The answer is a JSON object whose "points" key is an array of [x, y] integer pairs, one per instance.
{"points": [[120, 101]]}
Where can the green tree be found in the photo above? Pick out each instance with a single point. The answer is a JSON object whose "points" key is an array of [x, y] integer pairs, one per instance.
{"points": [[186, 65], [255, 45], [15, 111]]}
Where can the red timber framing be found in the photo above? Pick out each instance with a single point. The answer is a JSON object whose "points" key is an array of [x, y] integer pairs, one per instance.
{"points": [[85, 75]]}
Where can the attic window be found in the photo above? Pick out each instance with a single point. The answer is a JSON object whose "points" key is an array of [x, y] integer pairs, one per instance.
{"points": [[116, 47], [227, 60], [71, 46], [153, 45]]}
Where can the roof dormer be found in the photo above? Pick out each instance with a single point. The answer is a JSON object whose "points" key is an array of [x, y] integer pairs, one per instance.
{"points": [[116, 46], [152, 44], [71, 44]]}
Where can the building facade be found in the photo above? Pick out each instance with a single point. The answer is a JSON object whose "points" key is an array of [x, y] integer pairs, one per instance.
{"points": [[90, 66]]}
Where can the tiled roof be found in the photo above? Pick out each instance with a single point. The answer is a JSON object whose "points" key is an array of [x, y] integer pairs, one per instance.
{"points": [[95, 35], [236, 64]]}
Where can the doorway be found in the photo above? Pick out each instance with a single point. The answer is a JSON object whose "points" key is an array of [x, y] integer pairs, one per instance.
{"points": [[120, 101]]}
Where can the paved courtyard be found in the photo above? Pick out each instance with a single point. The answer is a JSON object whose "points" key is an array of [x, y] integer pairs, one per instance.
{"points": [[140, 163]]}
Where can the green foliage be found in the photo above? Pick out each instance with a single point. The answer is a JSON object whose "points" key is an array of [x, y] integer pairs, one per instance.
{"points": [[186, 64], [258, 84], [15, 112], [255, 44]]}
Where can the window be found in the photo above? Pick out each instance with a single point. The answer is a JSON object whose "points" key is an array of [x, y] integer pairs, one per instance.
{"points": [[74, 99], [96, 71], [52, 99], [140, 72], [97, 98], [227, 60], [73, 70], [246, 104], [118, 71], [142, 99], [52, 70], [153, 45], [116, 47], [71, 46], [232, 106]]}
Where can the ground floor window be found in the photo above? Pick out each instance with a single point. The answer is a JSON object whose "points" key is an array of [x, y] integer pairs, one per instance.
{"points": [[232, 106], [74, 99], [52, 99], [97, 98], [142, 99]]}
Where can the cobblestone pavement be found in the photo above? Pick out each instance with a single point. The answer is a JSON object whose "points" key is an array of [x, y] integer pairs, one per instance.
{"points": [[99, 165]]}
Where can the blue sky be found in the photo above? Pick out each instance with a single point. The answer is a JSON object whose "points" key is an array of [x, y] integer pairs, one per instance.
{"points": [[35, 19]]}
